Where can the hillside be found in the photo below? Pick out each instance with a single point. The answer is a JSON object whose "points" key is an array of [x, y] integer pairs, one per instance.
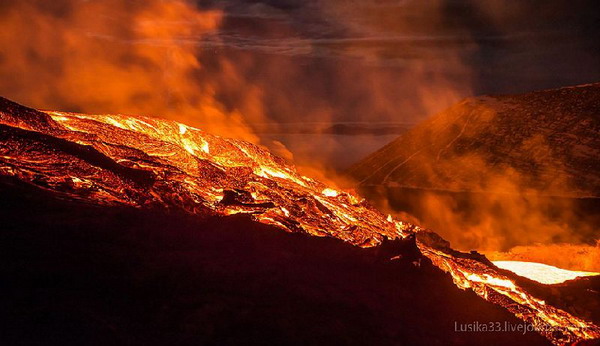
{"points": [[546, 142]]}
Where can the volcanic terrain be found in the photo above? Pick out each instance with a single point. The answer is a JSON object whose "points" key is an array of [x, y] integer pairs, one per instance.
{"points": [[129, 229], [547, 140]]}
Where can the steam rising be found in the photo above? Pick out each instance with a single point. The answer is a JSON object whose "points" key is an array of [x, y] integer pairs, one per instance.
{"points": [[113, 56], [492, 173], [180, 61]]}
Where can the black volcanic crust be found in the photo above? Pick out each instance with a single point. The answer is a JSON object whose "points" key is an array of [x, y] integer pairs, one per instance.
{"points": [[81, 274]]}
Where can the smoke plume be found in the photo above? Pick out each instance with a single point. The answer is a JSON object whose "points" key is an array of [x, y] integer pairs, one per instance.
{"points": [[110, 56]]}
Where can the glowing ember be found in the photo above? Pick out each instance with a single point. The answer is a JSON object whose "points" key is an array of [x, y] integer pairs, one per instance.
{"points": [[543, 273]]}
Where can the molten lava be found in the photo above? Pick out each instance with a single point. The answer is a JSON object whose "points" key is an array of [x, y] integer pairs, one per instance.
{"points": [[543, 273], [143, 162]]}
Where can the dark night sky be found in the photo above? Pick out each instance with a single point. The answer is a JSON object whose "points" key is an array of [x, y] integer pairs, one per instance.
{"points": [[472, 47]]}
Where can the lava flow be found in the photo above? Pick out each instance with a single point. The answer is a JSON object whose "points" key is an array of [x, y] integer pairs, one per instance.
{"points": [[151, 163], [543, 273]]}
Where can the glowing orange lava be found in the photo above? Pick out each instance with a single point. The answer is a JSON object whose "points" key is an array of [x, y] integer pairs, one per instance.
{"points": [[542, 273], [143, 162]]}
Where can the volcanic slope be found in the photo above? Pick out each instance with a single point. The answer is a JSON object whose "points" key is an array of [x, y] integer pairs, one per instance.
{"points": [[547, 141], [141, 229]]}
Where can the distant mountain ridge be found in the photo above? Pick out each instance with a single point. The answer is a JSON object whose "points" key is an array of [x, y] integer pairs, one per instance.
{"points": [[546, 141]]}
